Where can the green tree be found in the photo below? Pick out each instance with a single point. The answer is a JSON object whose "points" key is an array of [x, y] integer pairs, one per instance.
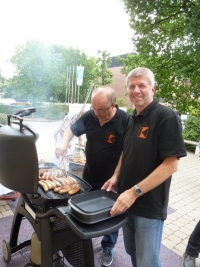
{"points": [[41, 72], [167, 40], [72, 58], [37, 73], [103, 61]]}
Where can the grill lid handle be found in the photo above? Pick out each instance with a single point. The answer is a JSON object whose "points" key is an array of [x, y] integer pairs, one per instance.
{"points": [[16, 118], [21, 113]]}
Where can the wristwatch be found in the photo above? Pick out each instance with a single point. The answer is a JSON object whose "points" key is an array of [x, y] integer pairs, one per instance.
{"points": [[138, 190]]}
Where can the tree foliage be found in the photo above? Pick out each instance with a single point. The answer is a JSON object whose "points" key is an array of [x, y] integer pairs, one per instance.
{"points": [[104, 61], [38, 71], [167, 40], [41, 71]]}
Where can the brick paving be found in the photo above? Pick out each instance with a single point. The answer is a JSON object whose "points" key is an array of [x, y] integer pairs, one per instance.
{"points": [[185, 201]]}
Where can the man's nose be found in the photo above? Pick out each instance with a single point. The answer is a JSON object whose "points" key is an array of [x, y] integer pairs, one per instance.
{"points": [[96, 111], [136, 89]]}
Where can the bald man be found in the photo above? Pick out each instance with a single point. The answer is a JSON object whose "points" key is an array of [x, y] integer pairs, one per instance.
{"points": [[103, 125]]}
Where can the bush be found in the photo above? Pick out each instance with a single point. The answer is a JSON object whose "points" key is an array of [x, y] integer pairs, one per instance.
{"points": [[121, 102], [48, 112], [3, 119], [194, 111], [51, 112], [130, 111], [191, 130], [6, 109]]}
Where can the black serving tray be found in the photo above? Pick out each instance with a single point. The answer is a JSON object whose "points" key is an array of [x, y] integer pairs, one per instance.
{"points": [[92, 207], [95, 201]]}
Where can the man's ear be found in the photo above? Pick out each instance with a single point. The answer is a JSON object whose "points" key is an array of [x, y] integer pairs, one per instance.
{"points": [[153, 90]]}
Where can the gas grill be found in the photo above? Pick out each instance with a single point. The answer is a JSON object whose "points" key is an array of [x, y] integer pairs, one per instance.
{"points": [[48, 213]]}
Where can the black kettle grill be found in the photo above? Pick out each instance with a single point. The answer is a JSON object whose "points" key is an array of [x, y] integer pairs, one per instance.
{"points": [[49, 214]]}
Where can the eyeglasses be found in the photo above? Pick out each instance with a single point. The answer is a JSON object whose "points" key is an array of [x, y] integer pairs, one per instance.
{"points": [[100, 111]]}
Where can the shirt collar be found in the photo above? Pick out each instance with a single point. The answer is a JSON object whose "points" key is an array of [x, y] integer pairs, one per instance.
{"points": [[146, 110]]}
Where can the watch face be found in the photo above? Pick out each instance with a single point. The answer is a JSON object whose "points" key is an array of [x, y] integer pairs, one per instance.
{"points": [[138, 191]]}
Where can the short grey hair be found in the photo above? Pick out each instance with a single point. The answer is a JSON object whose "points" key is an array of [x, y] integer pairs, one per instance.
{"points": [[141, 72], [108, 91]]}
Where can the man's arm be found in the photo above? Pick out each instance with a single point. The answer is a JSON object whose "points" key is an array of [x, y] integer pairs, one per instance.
{"points": [[157, 177], [62, 148]]}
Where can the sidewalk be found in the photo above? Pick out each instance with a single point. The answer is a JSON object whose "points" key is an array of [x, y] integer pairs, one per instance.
{"points": [[184, 201]]}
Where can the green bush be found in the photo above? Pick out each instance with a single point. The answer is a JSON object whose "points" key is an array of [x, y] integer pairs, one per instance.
{"points": [[48, 112], [191, 130], [194, 111], [3, 119], [130, 110], [121, 102], [6, 109], [51, 112]]}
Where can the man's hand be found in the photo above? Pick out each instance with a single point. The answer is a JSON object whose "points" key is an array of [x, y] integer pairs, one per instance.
{"points": [[60, 150], [124, 201], [111, 184]]}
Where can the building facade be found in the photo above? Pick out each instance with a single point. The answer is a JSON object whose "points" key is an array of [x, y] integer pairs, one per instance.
{"points": [[119, 80]]}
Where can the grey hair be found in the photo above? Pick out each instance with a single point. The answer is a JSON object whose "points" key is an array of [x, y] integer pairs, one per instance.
{"points": [[141, 72], [108, 91]]}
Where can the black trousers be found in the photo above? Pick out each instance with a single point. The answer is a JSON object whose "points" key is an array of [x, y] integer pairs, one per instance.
{"points": [[193, 246]]}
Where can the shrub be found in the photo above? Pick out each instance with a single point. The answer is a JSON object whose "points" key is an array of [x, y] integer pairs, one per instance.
{"points": [[51, 112], [191, 130], [3, 119], [6, 109], [121, 102], [194, 111], [130, 111], [48, 112]]}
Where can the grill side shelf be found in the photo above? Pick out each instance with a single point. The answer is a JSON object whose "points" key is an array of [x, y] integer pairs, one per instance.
{"points": [[86, 231]]}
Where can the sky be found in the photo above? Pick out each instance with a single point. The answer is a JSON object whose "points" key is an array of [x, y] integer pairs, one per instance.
{"points": [[89, 25]]}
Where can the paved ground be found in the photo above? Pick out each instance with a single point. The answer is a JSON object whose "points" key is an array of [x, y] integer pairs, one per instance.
{"points": [[184, 204]]}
